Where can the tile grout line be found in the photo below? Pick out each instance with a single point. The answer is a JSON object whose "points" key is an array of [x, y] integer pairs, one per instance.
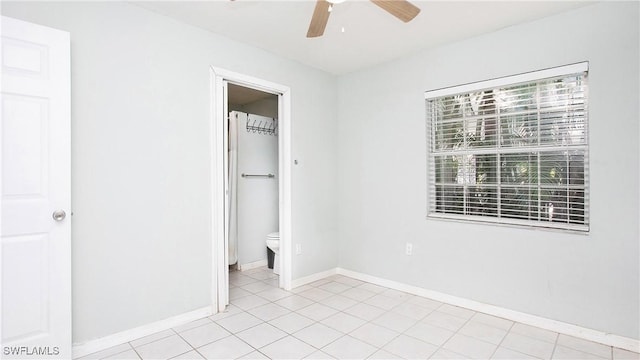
{"points": [[438, 347], [314, 321], [555, 346], [386, 311], [320, 321], [251, 346], [400, 333], [363, 301], [441, 347], [185, 340], [317, 321], [137, 353], [266, 322], [502, 340]]}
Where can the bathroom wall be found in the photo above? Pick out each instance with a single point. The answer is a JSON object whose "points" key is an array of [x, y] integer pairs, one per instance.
{"points": [[141, 166], [591, 280], [257, 197]]}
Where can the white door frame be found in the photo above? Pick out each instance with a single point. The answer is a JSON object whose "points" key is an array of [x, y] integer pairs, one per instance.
{"points": [[219, 255]]}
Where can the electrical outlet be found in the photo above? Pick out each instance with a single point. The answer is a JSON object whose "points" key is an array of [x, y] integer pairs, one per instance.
{"points": [[409, 249], [298, 249]]}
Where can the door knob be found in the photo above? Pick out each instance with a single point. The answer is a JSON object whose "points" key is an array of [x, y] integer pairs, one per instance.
{"points": [[59, 215]]}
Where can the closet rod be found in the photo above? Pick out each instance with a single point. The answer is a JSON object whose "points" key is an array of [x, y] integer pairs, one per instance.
{"points": [[258, 175]]}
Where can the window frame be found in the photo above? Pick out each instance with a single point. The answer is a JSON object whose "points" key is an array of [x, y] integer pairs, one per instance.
{"points": [[519, 79]]}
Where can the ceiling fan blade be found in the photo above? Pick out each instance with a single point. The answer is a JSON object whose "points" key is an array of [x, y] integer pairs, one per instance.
{"points": [[319, 19], [402, 9]]}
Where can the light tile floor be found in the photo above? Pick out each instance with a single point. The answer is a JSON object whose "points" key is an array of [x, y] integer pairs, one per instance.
{"points": [[343, 318]]}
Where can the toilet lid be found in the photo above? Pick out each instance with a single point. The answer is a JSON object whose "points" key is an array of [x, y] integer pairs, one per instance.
{"points": [[274, 235]]}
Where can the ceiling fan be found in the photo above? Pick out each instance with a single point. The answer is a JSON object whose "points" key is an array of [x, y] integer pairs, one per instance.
{"points": [[402, 9]]}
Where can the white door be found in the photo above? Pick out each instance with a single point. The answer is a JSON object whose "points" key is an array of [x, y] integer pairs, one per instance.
{"points": [[36, 193]]}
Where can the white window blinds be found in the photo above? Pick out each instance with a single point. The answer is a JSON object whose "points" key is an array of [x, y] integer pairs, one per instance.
{"points": [[511, 150]]}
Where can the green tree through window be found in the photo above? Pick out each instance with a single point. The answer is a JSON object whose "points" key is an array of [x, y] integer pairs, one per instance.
{"points": [[513, 154]]}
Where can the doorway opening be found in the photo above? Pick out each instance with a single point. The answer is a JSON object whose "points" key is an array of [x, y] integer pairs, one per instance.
{"points": [[252, 207], [258, 107]]}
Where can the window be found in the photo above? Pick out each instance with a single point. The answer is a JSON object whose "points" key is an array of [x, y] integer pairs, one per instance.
{"points": [[511, 150]]}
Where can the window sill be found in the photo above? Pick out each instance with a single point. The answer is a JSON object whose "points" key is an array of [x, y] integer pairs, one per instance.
{"points": [[512, 223]]}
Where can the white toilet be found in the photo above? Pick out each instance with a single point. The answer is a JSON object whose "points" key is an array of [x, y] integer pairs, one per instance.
{"points": [[273, 243]]}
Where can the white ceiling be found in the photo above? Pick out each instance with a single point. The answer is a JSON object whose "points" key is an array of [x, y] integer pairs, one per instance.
{"points": [[371, 35]]}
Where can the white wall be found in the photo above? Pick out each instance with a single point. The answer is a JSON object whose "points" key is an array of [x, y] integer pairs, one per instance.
{"points": [[589, 280], [141, 164]]}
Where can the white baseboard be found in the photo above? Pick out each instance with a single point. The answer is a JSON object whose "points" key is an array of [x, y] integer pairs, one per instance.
{"points": [[253, 265], [313, 277], [106, 342], [533, 320]]}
